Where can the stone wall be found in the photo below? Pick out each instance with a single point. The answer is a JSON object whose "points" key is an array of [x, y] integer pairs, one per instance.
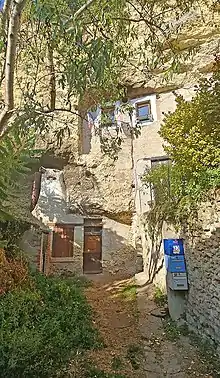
{"points": [[201, 304], [118, 254], [203, 266], [30, 243]]}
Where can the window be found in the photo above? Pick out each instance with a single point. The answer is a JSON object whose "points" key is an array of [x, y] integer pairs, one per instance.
{"points": [[143, 111], [159, 161], [63, 240]]}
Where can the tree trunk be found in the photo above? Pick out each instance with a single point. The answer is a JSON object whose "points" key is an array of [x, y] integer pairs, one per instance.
{"points": [[12, 38]]}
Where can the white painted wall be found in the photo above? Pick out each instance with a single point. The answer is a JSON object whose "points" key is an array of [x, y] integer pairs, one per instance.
{"points": [[52, 203]]}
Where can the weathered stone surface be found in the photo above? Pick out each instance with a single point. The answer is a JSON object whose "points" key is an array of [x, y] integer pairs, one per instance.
{"points": [[97, 185], [199, 30], [203, 257]]}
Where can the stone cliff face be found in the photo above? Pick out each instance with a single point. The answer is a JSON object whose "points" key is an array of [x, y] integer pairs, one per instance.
{"points": [[199, 33], [94, 182], [97, 184]]}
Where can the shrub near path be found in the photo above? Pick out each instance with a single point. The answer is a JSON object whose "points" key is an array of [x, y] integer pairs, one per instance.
{"points": [[44, 326]]}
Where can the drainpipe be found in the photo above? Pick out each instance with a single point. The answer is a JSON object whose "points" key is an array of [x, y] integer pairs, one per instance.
{"points": [[137, 189]]}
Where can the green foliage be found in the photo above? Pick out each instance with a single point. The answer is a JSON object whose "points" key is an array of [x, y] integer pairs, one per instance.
{"points": [[14, 272], [171, 330], [192, 136], [10, 232], [16, 154], [176, 196], [133, 355], [160, 297], [193, 130], [43, 327], [111, 132], [89, 49], [90, 53]]}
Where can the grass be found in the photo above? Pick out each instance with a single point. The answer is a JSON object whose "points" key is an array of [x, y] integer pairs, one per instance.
{"points": [[133, 355], [171, 330], [129, 292], [117, 363], [160, 298]]}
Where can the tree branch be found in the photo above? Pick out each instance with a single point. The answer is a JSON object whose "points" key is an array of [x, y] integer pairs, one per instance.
{"points": [[49, 111], [52, 77], [83, 8], [12, 38], [79, 12]]}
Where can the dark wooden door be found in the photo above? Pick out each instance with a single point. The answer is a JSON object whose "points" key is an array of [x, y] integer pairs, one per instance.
{"points": [[63, 241], [92, 255]]}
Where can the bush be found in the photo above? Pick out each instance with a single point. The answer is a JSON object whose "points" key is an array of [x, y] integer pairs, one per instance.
{"points": [[43, 328], [13, 272]]}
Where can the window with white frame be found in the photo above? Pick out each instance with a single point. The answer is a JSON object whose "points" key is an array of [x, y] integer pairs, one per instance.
{"points": [[145, 111]]}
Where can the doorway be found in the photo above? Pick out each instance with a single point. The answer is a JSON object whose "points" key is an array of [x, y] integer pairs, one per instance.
{"points": [[92, 253]]}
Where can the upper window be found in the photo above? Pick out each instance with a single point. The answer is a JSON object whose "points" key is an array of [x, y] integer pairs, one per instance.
{"points": [[143, 111]]}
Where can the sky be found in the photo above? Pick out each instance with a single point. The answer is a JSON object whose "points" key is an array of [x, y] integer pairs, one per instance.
{"points": [[1, 4]]}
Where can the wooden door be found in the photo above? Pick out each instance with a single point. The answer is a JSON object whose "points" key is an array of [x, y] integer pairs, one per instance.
{"points": [[92, 255], [63, 241]]}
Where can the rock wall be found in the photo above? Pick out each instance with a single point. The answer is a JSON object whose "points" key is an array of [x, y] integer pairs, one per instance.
{"points": [[196, 31], [118, 253], [97, 185], [203, 266], [30, 243]]}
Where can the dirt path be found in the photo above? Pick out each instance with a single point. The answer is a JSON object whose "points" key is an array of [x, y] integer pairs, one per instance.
{"points": [[136, 344], [168, 354], [116, 318]]}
